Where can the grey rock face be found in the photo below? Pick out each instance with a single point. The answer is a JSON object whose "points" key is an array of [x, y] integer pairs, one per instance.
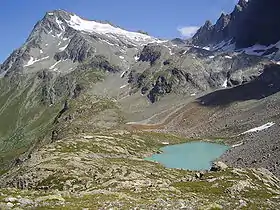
{"points": [[258, 20], [150, 53], [224, 29], [260, 87], [204, 34], [195, 70], [100, 62], [78, 50], [218, 166], [160, 88]]}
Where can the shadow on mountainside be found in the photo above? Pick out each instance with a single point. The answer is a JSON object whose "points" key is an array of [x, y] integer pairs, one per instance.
{"points": [[268, 83]]}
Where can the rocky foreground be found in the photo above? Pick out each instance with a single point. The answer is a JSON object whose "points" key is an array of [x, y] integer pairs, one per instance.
{"points": [[107, 171]]}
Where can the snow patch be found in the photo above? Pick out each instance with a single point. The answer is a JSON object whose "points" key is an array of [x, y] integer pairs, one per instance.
{"points": [[260, 128], [109, 43], [32, 61], [41, 51], [121, 57], [50, 13], [52, 67], [59, 35], [193, 94], [3, 74], [88, 137], [123, 50], [224, 85], [103, 28], [170, 50], [123, 73], [123, 86], [237, 145], [63, 48], [256, 49], [136, 58], [212, 56], [228, 57], [224, 46], [59, 23]]}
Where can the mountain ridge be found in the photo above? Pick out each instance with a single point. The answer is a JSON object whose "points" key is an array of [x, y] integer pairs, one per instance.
{"points": [[257, 20]]}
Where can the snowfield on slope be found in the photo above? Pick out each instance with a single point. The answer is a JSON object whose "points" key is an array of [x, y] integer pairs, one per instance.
{"points": [[104, 28], [32, 61], [260, 128]]}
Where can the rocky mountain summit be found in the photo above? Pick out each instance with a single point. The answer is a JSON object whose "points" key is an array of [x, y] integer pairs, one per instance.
{"points": [[83, 103], [252, 27], [62, 39]]}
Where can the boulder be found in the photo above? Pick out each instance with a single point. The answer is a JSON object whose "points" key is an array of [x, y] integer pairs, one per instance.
{"points": [[218, 166]]}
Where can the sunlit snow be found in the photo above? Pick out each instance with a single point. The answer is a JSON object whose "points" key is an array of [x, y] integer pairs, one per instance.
{"points": [[228, 57], [109, 43], [123, 73], [32, 61], [224, 85], [3, 74], [206, 48], [63, 48], [59, 23], [260, 128], [123, 86], [52, 67], [103, 28]]}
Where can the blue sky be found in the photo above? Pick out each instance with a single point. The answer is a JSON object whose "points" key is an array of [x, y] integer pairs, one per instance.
{"points": [[161, 18]]}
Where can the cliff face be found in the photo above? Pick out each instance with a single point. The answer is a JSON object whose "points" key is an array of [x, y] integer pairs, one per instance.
{"points": [[251, 22]]}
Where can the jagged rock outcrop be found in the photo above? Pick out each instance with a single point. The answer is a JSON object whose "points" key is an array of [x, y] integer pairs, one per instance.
{"points": [[150, 53], [226, 28], [257, 19]]}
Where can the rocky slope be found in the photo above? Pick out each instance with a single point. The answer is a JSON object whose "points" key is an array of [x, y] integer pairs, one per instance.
{"points": [[97, 171]]}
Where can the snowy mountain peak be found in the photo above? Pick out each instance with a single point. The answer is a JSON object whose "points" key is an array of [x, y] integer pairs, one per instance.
{"points": [[62, 39], [60, 20], [88, 26]]}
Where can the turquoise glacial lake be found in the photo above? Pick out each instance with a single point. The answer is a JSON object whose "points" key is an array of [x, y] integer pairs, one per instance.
{"points": [[189, 156]]}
